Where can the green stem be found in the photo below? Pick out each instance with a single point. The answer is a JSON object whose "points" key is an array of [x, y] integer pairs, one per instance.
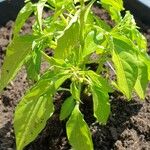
{"points": [[46, 57]]}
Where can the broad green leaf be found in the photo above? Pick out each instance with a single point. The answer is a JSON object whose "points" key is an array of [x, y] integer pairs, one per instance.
{"points": [[142, 80], [67, 107], [92, 44], [30, 117], [33, 65], [23, 15], [31, 70], [78, 132], [68, 41], [101, 103], [125, 62], [99, 81], [113, 7], [17, 52], [36, 107]]}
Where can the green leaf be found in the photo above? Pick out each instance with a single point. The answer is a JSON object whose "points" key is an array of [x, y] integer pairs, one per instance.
{"points": [[61, 3], [128, 28], [67, 108], [101, 23], [75, 90], [101, 103], [16, 55], [23, 15], [113, 7], [62, 77], [78, 132], [33, 65], [68, 41], [32, 73], [142, 80], [92, 44], [125, 62], [40, 6], [30, 117], [99, 81], [146, 59], [36, 107]]}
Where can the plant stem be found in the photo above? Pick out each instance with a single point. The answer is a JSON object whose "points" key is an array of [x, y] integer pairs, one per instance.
{"points": [[46, 57]]}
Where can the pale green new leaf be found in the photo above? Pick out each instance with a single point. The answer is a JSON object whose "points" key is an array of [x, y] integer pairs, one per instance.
{"points": [[30, 117], [78, 132], [23, 15], [101, 103], [16, 55], [125, 62], [67, 107], [142, 80]]}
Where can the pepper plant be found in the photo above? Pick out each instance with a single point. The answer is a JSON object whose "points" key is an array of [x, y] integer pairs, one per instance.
{"points": [[76, 35]]}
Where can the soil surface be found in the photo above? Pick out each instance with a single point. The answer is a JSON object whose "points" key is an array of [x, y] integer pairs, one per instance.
{"points": [[128, 127]]}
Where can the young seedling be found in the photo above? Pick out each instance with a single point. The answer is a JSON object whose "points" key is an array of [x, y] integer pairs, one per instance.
{"points": [[75, 34]]}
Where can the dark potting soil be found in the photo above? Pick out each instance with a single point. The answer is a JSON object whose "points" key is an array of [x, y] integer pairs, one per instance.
{"points": [[128, 127]]}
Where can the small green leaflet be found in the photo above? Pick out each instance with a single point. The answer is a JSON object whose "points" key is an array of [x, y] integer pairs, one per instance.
{"points": [[17, 52], [23, 15], [78, 132], [67, 108], [125, 62], [75, 90], [30, 117], [40, 6]]}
